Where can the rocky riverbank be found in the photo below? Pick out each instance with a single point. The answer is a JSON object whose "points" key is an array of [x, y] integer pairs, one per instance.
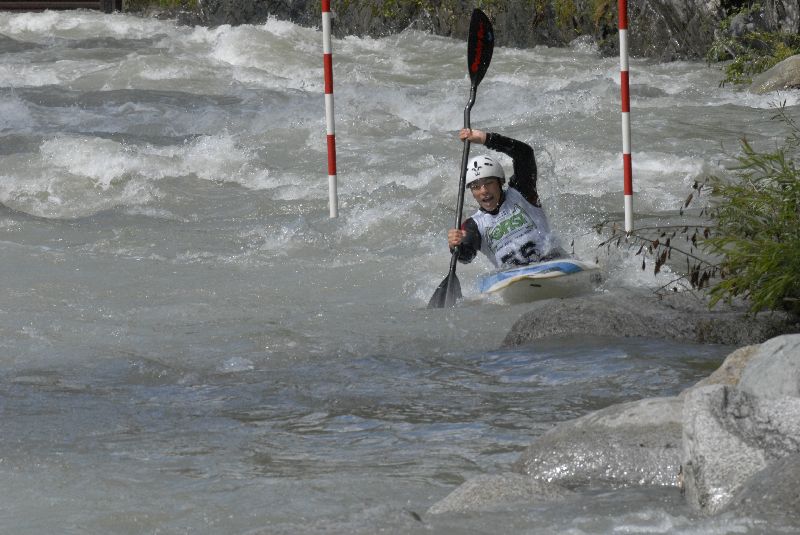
{"points": [[729, 443], [661, 29], [680, 316], [664, 30]]}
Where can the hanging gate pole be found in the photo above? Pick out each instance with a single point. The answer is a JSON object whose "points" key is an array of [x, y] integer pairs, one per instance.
{"points": [[327, 61], [626, 111]]}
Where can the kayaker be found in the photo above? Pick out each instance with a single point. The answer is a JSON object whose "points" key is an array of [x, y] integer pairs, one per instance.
{"points": [[510, 227]]}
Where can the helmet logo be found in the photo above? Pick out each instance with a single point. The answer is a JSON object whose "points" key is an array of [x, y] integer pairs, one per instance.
{"points": [[476, 168]]}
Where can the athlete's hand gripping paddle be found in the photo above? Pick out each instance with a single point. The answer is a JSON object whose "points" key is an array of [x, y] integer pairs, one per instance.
{"points": [[479, 53]]}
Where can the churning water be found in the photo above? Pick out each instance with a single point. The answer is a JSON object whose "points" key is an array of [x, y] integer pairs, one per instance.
{"points": [[188, 344]]}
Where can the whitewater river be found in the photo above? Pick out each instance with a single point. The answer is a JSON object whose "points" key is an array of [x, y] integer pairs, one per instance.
{"points": [[188, 344]]}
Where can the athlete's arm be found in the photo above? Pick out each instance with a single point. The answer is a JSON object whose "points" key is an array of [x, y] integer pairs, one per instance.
{"points": [[468, 240], [524, 179]]}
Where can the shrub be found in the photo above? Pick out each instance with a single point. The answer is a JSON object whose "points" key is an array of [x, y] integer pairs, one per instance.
{"points": [[745, 243], [749, 50], [757, 232]]}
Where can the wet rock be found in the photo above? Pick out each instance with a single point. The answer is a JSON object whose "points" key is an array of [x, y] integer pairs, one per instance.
{"points": [[730, 371], [784, 75], [774, 370], [630, 313], [730, 434], [673, 29], [716, 461], [731, 442], [782, 15], [771, 493], [491, 492], [636, 443], [301, 12]]}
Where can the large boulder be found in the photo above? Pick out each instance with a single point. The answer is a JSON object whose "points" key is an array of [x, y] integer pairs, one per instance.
{"points": [[774, 371], [772, 494], [731, 370], [782, 15], [673, 29], [784, 75], [632, 313], [730, 434], [635, 443], [490, 492], [630, 444]]}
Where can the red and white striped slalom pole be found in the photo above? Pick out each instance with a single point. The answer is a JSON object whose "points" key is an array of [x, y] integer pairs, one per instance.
{"points": [[327, 61], [626, 114]]}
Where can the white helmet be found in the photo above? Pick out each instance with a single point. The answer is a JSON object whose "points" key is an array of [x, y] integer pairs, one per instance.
{"points": [[484, 167]]}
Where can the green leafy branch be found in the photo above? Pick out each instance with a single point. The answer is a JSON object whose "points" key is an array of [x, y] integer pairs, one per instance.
{"points": [[745, 242], [750, 52], [659, 243]]}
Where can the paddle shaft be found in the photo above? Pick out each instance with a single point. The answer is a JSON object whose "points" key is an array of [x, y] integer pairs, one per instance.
{"points": [[462, 183], [479, 53]]}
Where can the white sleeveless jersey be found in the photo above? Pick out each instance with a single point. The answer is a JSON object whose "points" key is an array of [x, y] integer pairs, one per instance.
{"points": [[517, 234]]}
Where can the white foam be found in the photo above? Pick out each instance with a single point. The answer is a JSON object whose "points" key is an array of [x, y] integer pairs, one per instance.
{"points": [[767, 101], [43, 27], [80, 175], [23, 75], [98, 159], [257, 53]]}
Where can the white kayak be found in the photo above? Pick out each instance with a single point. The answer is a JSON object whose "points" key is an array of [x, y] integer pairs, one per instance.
{"points": [[563, 277]]}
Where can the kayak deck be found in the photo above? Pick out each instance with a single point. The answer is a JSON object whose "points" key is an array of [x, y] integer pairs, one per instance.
{"points": [[563, 277]]}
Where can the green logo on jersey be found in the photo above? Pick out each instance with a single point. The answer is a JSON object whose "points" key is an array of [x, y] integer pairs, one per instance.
{"points": [[516, 219]]}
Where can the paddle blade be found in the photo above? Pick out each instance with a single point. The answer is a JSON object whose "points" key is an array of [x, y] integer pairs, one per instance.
{"points": [[480, 46], [447, 293]]}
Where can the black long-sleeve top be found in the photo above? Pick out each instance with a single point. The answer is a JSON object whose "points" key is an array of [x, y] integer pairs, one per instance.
{"points": [[523, 180]]}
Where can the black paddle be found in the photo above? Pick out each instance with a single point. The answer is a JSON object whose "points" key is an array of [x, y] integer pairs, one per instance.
{"points": [[479, 53]]}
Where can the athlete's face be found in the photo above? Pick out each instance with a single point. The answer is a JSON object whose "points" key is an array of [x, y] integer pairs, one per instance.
{"points": [[487, 192]]}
